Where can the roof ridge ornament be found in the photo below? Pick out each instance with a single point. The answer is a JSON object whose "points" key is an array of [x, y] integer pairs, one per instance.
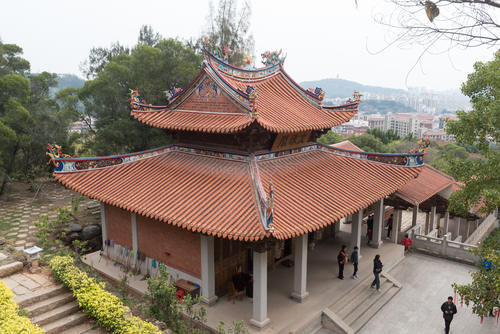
{"points": [[137, 102], [356, 97], [319, 94], [265, 201], [422, 147], [221, 52], [272, 57], [54, 152], [252, 96]]}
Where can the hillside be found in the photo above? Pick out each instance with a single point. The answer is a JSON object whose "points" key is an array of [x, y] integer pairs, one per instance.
{"points": [[344, 88], [69, 80], [383, 107]]}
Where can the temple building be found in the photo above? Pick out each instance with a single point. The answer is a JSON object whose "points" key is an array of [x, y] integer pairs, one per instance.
{"points": [[245, 183]]}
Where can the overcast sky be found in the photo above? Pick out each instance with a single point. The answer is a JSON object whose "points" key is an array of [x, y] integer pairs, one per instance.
{"points": [[322, 39]]}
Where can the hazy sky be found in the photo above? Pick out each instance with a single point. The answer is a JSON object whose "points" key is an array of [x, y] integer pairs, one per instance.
{"points": [[322, 39]]}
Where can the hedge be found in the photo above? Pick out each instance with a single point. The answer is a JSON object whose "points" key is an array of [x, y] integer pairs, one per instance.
{"points": [[106, 308], [10, 320]]}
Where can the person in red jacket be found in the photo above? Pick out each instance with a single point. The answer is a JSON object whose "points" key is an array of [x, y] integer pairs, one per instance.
{"points": [[342, 259], [407, 242], [389, 226]]}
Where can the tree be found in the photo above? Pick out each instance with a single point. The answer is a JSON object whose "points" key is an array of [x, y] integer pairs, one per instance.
{"points": [[29, 118], [148, 36], [385, 136], [479, 127], [229, 26], [368, 143], [99, 57], [465, 23], [484, 290], [330, 138], [152, 70]]}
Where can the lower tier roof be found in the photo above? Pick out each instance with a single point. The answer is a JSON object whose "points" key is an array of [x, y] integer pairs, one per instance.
{"points": [[220, 194]]}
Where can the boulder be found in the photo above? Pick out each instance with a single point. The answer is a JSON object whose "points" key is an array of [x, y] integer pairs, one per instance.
{"points": [[10, 268], [72, 236], [75, 227], [90, 232]]}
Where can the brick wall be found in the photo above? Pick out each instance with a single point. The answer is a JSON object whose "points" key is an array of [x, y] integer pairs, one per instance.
{"points": [[220, 103], [156, 239], [118, 226]]}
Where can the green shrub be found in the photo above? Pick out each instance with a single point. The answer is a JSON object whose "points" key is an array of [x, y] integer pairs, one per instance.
{"points": [[105, 307], [11, 322]]}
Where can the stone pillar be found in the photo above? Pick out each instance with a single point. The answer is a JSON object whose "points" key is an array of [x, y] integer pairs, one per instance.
{"points": [[378, 224], [396, 225], [135, 242], [432, 222], [300, 269], [259, 318], [208, 270], [467, 234], [427, 221], [414, 216], [336, 226], [103, 224], [446, 222], [356, 227], [459, 220]]}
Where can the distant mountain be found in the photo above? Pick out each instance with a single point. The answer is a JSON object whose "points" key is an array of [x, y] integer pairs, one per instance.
{"points": [[383, 107], [344, 88], [69, 80]]}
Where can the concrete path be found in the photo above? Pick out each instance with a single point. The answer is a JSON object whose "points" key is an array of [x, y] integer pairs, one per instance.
{"points": [[416, 309]]}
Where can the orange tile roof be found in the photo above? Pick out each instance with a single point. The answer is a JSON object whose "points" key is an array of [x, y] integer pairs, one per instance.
{"points": [[430, 182], [215, 193], [193, 121], [347, 145], [282, 106]]}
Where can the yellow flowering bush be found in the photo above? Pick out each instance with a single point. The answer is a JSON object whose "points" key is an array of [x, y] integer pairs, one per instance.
{"points": [[106, 308], [10, 320]]}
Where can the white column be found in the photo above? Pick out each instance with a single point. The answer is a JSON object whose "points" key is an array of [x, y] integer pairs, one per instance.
{"points": [[414, 216], [378, 224], [396, 225], [432, 223], [357, 220], [336, 226], [467, 235], [259, 318], [459, 220], [103, 224], [446, 222], [208, 270], [427, 223], [300, 269], [135, 242]]}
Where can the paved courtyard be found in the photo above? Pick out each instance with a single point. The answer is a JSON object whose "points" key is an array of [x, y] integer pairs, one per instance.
{"points": [[416, 309]]}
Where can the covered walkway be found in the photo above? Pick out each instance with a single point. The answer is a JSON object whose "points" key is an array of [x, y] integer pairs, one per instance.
{"points": [[286, 314]]}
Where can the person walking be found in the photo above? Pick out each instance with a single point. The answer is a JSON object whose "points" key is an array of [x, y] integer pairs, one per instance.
{"points": [[377, 269], [389, 226], [448, 309], [342, 259], [354, 260]]}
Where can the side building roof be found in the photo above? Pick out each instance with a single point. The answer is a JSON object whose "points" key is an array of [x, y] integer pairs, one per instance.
{"points": [[220, 194]]}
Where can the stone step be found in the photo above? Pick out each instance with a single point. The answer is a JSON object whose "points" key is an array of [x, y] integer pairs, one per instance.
{"points": [[39, 295], [49, 304], [357, 297], [56, 314], [65, 323], [363, 307], [85, 328], [323, 331], [365, 317]]}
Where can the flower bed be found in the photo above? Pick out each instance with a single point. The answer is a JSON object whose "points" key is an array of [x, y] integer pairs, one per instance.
{"points": [[10, 320], [106, 308]]}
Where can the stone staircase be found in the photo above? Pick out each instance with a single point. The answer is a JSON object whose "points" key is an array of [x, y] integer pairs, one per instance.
{"points": [[352, 311], [56, 311]]}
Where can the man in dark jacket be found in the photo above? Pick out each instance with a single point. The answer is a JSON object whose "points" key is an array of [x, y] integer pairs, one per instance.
{"points": [[377, 269], [342, 259], [449, 309], [354, 261]]}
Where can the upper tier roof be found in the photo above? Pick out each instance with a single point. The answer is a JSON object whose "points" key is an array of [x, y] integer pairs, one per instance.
{"points": [[226, 99], [226, 194]]}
